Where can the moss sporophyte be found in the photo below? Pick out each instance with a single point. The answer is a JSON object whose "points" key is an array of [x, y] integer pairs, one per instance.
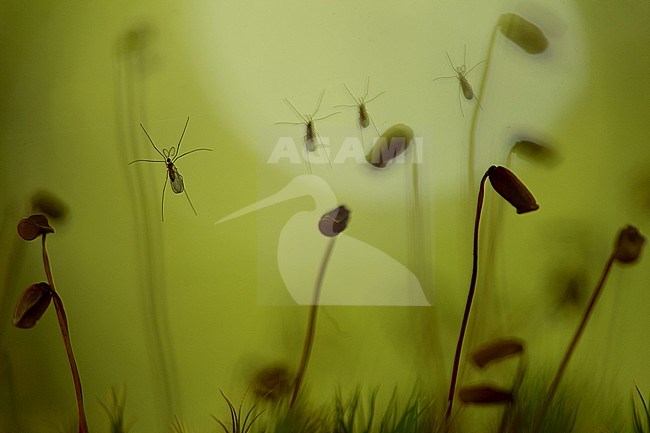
{"points": [[36, 299]]}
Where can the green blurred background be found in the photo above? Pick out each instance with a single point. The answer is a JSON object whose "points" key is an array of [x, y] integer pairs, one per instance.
{"points": [[172, 310]]}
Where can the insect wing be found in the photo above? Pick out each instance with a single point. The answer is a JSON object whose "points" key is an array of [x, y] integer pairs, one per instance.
{"points": [[310, 137], [310, 143], [364, 121], [176, 181], [467, 89]]}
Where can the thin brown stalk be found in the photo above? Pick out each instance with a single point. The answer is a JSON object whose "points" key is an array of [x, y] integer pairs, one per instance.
{"points": [[311, 326], [567, 356], [468, 305], [63, 324]]}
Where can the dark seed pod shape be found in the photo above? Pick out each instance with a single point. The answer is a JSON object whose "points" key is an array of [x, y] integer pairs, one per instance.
{"points": [[629, 245], [50, 205], [33, 226], [31, 305], [512, 189], [484, 394], [392, 143], [496, 350], [533, 151], [334, 221], [523, 33]]}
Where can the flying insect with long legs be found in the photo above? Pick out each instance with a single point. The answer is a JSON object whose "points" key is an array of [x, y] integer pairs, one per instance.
{"points": [[170, 156], [360, 103], [461, 76], [311, 136]]}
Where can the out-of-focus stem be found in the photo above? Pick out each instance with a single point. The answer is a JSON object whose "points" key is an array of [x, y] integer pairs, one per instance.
{"points": [[63, 324], [472, 134], [567, 356], [311, 326], [508, 412]]}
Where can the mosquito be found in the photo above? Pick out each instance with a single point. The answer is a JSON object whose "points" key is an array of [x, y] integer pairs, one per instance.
{"points": [[311, 136], [170, 156], [360, 103], [461, 76]]}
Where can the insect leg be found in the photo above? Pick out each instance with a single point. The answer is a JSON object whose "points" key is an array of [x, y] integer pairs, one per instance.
{"points": [[162, 202], [322, 145], [147, 160], [363, 145], [308, 162], [319, 102], [190, 151], [478, 101], [189, 201], [151, 141], [178, 146], [289, 123], [472, 68], [329, 115], [373, 124], [450, 62], [351, 95], [295, 110], [381, 93]]}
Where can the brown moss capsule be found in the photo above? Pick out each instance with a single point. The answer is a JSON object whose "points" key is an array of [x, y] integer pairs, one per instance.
{"points": [[496, 350], [522, 32], [33, 226], [334, 222], [484, 394], [512, 189], [629, 245], [392, 143], [31, 305], [272, 383]]}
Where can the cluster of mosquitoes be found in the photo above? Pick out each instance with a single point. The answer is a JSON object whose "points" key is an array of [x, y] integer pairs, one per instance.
{"points": [[311, 137]]}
